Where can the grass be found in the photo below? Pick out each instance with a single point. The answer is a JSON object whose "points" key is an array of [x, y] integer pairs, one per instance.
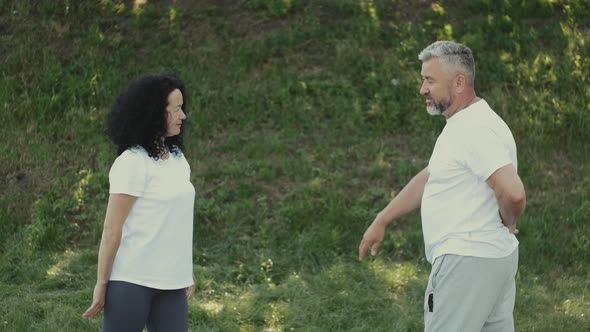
{"points": [[304, 121]]}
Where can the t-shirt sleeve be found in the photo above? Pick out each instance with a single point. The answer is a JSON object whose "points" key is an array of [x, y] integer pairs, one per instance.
{"points": [[128, 174], [486, 153]]}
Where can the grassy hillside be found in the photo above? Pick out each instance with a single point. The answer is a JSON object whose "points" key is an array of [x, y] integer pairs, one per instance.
{"points": [[304, 119]]}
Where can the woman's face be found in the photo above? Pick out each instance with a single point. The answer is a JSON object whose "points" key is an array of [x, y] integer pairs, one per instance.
{"points": [[174, 113]]}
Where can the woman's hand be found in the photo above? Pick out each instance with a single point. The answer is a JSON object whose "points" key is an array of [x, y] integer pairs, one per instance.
{"points": [[190, 291], [98, 297]]}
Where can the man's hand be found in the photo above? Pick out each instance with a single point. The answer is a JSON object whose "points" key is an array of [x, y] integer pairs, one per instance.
{"points": [[372, 239], [513, 229]]}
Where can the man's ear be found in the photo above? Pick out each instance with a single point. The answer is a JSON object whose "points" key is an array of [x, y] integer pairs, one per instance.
{"points": [[460, 83]]}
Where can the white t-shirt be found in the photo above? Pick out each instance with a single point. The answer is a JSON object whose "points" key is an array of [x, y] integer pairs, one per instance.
{"points": [[460, 213], [157, 240]]}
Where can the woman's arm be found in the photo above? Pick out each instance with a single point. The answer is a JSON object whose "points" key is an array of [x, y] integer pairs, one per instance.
{"points": [[117, 211]]}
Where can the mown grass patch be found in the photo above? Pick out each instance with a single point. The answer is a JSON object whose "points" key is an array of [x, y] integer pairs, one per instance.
{"points": [[304, 121]]}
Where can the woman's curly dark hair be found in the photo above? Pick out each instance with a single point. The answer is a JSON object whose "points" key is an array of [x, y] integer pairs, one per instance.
{"points": [[138, 117]]}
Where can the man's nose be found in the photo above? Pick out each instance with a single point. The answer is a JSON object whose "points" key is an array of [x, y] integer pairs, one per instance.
{"points": [[423, 89]]}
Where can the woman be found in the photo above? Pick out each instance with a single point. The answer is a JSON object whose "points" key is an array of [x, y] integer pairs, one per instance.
{"points": [[145, 273]]}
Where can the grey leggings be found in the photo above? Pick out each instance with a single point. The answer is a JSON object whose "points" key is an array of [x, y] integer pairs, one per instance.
{"points": [[130, 307]]}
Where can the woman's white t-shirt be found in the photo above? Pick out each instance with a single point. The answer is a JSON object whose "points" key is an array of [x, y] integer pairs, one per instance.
{"points": [[156, 243]]}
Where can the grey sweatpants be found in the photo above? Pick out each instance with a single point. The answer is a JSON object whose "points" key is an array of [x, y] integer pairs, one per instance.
{"points": [[130, 307], [471, 294]]}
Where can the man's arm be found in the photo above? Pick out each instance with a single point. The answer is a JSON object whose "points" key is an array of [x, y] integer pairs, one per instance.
{"points": [[510, 194], [408, 200]]}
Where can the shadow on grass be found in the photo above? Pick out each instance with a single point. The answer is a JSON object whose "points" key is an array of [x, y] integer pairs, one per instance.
{"points": [[344, 296]]}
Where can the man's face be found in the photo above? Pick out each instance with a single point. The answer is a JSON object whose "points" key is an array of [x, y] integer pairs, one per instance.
{"points": [[436, 87]]}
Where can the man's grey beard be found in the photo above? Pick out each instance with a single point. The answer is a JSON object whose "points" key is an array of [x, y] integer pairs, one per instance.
{"points": [[437, 108]]}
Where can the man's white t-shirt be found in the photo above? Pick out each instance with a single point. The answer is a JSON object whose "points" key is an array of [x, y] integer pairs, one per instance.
{"points": [[157, 239], [460, 213]]}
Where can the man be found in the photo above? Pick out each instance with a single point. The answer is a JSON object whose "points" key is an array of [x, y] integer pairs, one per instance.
{"points": [[470, 197]]}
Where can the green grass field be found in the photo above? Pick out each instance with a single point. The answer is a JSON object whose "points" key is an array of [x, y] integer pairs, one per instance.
{"points": [[304, 121]]}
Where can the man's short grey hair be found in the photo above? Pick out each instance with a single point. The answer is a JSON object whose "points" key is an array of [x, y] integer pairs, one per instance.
{"points": [[451, 53]]}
